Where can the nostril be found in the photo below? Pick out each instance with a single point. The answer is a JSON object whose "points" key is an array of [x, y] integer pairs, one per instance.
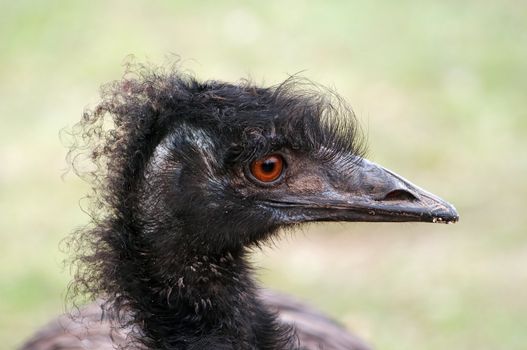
{"points": [[399, 195]]}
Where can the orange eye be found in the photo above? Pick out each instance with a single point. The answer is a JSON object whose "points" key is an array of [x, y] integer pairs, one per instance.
{"points": [[268, 169]]}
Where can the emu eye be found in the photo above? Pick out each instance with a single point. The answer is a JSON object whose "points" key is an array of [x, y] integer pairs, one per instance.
{"points": [[268, 169]]}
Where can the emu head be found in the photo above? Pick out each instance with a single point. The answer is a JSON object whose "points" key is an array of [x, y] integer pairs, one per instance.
{"points": [[213, 167], [189, 174]]}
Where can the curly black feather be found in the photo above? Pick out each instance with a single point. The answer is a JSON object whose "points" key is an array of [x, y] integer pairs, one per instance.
{"points": [[164, 149]]}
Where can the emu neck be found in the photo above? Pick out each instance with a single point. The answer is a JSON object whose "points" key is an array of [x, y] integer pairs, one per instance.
{"points": [[208, 303]]}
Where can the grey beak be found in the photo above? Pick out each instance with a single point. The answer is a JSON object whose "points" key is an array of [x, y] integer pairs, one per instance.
{"points": [[381, 195], [369, 193]]}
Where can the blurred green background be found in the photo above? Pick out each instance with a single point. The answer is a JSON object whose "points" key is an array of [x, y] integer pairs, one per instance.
{"points": [[440, 88]]}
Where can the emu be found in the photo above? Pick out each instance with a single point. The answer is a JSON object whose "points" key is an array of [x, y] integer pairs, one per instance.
{"points": [[191, 176]]}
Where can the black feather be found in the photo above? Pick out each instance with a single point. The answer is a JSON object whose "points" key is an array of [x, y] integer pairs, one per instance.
{"points": [[170, 230]]}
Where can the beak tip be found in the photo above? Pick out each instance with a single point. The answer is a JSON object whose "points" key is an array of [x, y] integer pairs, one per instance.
{"points": [[448, 215]]}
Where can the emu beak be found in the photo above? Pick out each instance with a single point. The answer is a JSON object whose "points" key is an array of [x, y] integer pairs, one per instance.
{"points": [[369, 193], [381, 195]]}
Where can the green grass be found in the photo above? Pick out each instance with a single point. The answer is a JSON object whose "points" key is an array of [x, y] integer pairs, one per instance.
{"points": [[438, 86]]}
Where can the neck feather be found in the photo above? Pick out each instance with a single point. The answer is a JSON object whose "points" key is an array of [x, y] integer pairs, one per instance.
{"points": [[204, 302]]}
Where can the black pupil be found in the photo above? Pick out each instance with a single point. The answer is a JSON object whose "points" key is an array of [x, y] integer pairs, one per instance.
{"points": [[268, 166]]}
